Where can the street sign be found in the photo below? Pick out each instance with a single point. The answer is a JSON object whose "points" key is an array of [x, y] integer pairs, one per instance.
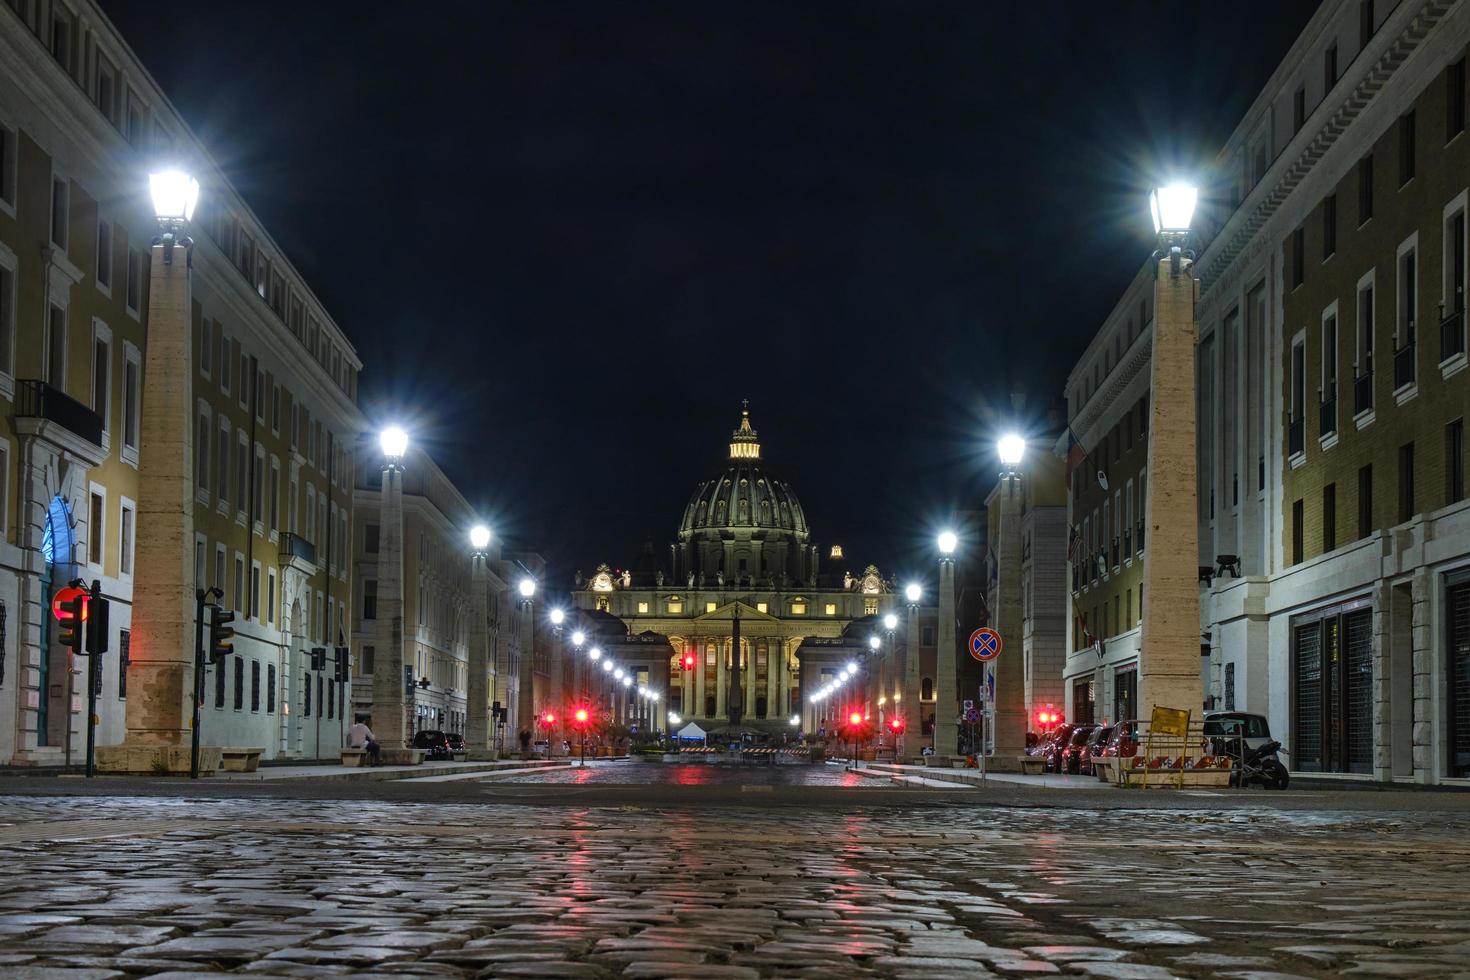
{"points": [[969, 705], [971, 714], [985, 644]]}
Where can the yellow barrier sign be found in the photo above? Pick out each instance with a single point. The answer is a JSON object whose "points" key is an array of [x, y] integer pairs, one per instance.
{"points": [[1169, 721]]}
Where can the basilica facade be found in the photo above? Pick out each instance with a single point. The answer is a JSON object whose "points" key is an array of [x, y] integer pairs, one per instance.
{"points": [[741, 588]]}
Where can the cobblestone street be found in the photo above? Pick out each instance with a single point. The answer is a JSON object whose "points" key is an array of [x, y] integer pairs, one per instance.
{"points": [[114, 886]]}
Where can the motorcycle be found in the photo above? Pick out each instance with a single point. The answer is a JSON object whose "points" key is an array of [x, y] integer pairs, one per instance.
{"points": [[1261, 766]]}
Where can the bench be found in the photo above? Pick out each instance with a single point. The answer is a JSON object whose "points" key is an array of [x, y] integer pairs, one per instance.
{"points": [[353, 758], [401, 757], [1031, 765], [239, 759]]}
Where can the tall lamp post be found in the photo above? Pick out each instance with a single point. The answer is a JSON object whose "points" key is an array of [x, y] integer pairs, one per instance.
{"points": [[478, 726], [553, 691], [1003, 722], [1168, 658], [913, 708], [886, 667], [392, 683], [526, 666], [162, 664], [946, 743]]}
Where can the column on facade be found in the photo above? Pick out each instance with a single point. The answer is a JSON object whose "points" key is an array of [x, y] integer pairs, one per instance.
{"points": [[478, 725], [160, 702], [774, 650], [1168, 660], [946, 741]]}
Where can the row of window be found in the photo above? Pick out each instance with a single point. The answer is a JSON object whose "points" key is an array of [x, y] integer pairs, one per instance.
{"points": [[243, 595], [330, 698], [1408, 500]]}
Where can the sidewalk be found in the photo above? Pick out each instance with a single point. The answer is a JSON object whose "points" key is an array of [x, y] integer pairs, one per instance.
{"points": [[972, 777], [320, 773]]}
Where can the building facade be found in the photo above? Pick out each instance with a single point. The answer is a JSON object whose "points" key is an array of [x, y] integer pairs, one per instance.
{"points": [[743, 549], [272, 377], [1334, 533]]}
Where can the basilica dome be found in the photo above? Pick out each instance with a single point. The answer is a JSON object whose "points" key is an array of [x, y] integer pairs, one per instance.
{"points": [[744, 523], [744, 495]]}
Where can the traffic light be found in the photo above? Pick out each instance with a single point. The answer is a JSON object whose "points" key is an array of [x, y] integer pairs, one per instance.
{"points": [[341, 667], [855, 719], [221, 635], [548, 719], [96, 616], [70, 607], [688, 661], [581, 717], [896, 724], [318, 658]]}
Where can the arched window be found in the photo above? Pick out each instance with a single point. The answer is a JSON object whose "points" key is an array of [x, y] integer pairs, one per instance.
{"points": [[926, 690]]}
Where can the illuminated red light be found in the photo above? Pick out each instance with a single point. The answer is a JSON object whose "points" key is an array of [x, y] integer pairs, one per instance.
{"points": [[549, 718], [855, 718], [581, 715], [688, 661]]}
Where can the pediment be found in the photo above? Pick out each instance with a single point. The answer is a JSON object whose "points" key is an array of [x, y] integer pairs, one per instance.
{"points": [[726, 613]]}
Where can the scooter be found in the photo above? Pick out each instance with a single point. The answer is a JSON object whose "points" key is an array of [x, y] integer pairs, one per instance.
{"points": [[1261, 765]]}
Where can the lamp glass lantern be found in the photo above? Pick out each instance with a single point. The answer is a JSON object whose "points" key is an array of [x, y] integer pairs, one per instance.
{"points": [[948, 541], [912, 592], [1172, 208], [528, 588], [1011, 448], [175, 194], [479, 534], [890, 621], [394, 443], [557, 617], [578, 638]]}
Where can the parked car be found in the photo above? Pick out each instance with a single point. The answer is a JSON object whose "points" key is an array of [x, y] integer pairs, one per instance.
{"points": [[456, 742], [1072, 751], [434, 743], [1061, 736], [1097, 739], [1122, 741], [1225, 729]]}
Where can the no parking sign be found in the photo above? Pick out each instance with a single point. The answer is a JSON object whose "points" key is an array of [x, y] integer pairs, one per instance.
{"points": [[985, 644]]}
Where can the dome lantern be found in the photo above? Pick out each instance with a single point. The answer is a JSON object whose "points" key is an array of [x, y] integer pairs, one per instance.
{"points": [[743, 444]]}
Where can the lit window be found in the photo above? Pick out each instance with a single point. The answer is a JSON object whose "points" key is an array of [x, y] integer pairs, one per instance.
{"points": [[709, 607], [798, 609], [643, 607], [830, 609], [761, 607], [676, 607]]}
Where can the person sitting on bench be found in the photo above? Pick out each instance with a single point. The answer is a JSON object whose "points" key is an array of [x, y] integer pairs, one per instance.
{"points": [[359, 736]]}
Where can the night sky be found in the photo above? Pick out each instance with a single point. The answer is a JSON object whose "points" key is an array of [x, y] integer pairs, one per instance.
{"points": [[568, 238]]}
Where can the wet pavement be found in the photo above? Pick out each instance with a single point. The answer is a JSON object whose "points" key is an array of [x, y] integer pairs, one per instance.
{"points": [[178, 886], [638, 772]]}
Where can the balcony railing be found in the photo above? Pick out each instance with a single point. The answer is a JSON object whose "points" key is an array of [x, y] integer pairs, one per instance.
{"points": [[1296, 437], [1328, 416], [1403, 365], [1363, 392], [39, 400], [1452, 335], [295, 546]]}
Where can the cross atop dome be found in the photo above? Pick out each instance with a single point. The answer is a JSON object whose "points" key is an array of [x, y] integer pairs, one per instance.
{"points": [[744, 444]]}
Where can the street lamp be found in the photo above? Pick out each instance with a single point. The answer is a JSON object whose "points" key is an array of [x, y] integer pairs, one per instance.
{"points": [[174, 194], [948, 541], [578, 638], [595, 653], [528, 588], [1011, 448], [394, 443], [913, 593], [479, 538], [890, 621], [1172, 208], [557, 617], [874, 643]]}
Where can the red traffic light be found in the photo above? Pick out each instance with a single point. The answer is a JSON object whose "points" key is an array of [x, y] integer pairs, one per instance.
{"points": [[549, 718], [61, 602], [688, 661], [897, 725], [581, 716], [855, 719]]}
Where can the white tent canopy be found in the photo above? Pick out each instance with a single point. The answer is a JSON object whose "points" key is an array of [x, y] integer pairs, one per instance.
{"points": [[692, 731]]}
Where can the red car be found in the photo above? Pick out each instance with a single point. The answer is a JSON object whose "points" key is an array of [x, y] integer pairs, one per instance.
{"points": [[1055, 747], [1076, 748]]}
